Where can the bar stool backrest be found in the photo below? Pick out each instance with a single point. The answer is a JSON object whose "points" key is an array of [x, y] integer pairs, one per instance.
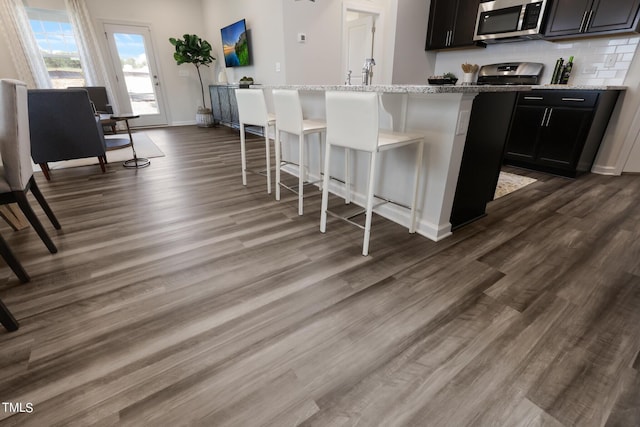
{"points": [[288, 110], [352, 120], [15, 139], [252, 107]]}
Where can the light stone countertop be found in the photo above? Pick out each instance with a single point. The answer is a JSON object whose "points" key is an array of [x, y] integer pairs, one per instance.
{"points": [[439, 88], [415, 89]]}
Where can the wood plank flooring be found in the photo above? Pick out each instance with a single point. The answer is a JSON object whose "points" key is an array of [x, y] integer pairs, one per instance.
{"points": [[180, 297]]}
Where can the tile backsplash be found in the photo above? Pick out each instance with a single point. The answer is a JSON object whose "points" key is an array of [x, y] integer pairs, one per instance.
{"points": [[597, 61]]}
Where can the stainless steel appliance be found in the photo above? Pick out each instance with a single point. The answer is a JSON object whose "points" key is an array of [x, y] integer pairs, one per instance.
{"points": [[511, 73], [509, 19]]}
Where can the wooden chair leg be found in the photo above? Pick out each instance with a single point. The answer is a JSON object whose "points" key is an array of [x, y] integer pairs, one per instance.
{"points": [[45, 170], [21, 198], [43, 203], [7, 319], [12, 261], [101, 160]]}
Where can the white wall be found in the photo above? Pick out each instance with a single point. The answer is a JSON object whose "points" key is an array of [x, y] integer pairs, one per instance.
{"points": [[411, 63], [264, 23]]}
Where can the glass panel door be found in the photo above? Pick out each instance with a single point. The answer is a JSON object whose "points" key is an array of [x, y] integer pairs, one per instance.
{"points": [[138, 88]]}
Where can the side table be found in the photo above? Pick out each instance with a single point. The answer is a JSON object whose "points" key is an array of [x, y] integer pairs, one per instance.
{"points": [[136, 162]]}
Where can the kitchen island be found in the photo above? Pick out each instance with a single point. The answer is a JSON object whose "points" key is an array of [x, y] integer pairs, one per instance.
{"points": [[441, 113]]}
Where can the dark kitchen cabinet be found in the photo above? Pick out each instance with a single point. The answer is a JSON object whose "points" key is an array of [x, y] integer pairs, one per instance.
{"points": [[482, 155], [451, 23], [571, 18], [559, 131]]}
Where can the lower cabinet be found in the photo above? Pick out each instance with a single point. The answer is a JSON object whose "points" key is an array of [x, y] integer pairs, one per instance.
{"points": [[559, 131], [223, 105]]}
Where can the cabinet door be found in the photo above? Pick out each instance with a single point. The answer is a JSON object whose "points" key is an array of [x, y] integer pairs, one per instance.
{"points": [[525, 128], [233, 105], [563, 136], [465, 23], [215, 103], [441, 17], [225, 106], [566, 17], [613, 15]]}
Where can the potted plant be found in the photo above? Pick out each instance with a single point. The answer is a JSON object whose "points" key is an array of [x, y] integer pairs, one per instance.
{"points": [[191, 49]]}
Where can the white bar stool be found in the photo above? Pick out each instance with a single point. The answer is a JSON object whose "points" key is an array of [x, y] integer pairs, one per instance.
{"points": [[352, 123], [289, 119], [252, 110]]}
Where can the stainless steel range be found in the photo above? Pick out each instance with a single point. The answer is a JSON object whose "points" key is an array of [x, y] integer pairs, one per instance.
{"points": [[511, 73]]}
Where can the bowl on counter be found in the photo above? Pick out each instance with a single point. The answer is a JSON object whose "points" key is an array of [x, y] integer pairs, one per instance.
{"points": [[442, 81]]}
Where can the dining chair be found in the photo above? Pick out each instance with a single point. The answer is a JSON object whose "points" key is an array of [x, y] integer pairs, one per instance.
{"points": [[289, 119], [16, 171], [62, 126], [6, 318], [352, 123], [252, 111]]}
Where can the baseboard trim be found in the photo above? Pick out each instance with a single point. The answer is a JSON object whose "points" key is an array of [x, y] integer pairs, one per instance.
{"points": [[605, 170]]}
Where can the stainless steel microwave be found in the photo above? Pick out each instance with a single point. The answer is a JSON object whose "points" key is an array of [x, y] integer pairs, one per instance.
{"points": [[502, 19]]}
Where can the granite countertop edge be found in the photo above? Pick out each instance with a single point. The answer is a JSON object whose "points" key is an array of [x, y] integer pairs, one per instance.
{"points": [[417, 89]]}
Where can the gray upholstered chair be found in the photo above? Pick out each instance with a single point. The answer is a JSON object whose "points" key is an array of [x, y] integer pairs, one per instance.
{"points": [[100, 100], [16, 172], [64, 127]]}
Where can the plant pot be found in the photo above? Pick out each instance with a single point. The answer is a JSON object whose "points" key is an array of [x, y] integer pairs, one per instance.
{"points": [[204, 118]]}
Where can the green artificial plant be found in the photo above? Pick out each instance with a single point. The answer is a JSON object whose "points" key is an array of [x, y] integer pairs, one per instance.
{"points": [[191, 49]]}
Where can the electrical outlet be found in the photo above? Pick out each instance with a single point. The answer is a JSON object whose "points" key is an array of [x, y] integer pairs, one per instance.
{"points": [[302, 37], [610, 60], [277, 67]]}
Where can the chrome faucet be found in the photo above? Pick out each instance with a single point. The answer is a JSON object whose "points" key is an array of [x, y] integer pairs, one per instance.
{"points": [[367, 71]]}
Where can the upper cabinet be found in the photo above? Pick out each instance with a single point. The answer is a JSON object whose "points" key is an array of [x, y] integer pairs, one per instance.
{"points": [[571, 18], [451, 23]]}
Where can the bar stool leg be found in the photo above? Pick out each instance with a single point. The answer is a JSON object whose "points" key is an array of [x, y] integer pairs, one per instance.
{"points": [[325, 189], [278, 149], [300, 173], [268, 152], [243, 155], [367, 224], [347, 177], [416, 183]]}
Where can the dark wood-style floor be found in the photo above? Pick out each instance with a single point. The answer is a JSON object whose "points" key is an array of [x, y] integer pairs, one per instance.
{"points": [[178, 296]]}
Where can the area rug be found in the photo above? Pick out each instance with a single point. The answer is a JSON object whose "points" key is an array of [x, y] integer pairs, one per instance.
{"points": [[145, 147], [509, 182]]}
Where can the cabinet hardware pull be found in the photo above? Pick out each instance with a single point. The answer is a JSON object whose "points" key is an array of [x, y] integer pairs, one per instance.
{"points": [[549, 117], [448, 42], [586, 27], [544, 117], [573, 99], [537, 98], [584, 17]]}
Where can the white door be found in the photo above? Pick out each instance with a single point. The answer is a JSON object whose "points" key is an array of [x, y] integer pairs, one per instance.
{"points": [[359, 46], [138, 87]]}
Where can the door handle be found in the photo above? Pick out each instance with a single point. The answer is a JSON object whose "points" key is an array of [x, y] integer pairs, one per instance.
{"points": [[586, 27], [584, 18], [544, 117]]}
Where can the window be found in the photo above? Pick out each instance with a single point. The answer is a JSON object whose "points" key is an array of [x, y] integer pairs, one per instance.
{"points": [[57, 43]]}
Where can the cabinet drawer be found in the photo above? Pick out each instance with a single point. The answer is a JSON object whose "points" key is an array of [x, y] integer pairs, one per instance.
{"points": [[560, 98]]}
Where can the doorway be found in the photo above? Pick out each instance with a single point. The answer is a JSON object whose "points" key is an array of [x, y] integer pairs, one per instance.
{"points": [[362, 39], [138, 86]]}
